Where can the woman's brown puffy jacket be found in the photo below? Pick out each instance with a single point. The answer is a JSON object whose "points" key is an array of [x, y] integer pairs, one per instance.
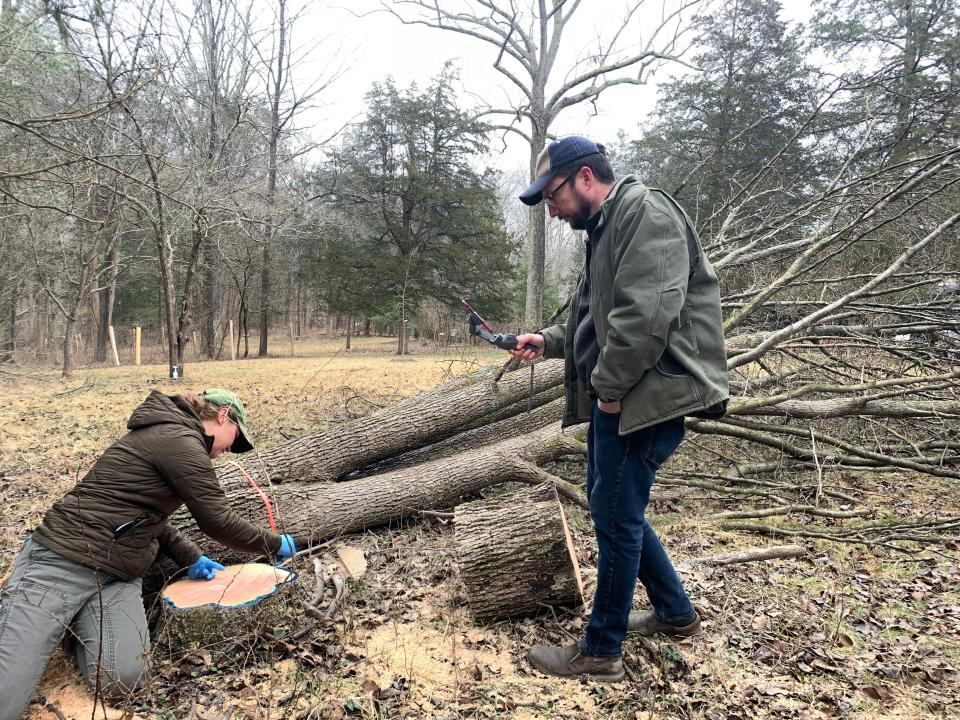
{"points": [[161, 464]]}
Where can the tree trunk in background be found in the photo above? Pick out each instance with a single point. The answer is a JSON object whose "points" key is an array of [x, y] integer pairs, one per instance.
{"points": [[10, 293], [105, 300], [536, 241], [265, 298], [68, 346], [274, 141], [211, 306], [349, 330], [200, 233], [905, 97], [41, 326], [299, 306], [244, 330]]}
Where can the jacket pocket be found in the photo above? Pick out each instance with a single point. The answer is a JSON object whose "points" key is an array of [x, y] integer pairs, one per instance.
{"points": [[671, 367], [665, 437], [140, 531]]}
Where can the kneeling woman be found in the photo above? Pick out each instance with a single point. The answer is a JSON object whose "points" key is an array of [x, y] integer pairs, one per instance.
{"points": [[80, 571]]}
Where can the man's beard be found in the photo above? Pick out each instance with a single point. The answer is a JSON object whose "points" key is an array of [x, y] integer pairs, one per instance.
{"points": [[578, 219]]}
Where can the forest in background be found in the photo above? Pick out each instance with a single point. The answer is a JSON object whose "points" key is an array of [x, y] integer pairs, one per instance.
{"points": [[155, 170]]}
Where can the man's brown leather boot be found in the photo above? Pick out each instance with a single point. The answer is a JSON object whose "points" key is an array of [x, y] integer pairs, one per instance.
{"points": [[568, 662], [647, 623]]}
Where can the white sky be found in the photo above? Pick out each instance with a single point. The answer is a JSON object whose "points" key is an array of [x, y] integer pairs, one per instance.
{"points": [[377, 45]]}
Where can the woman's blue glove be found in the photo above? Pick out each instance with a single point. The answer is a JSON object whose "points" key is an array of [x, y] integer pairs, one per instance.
{"points": [[287, 548], [204, 569]]}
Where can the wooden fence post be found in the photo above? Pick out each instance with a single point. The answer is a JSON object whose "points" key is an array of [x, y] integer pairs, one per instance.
{"points": [[113, 345], [136, 345]]}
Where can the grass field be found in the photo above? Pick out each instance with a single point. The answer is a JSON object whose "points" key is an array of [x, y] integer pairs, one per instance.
{"points": [[850, 631]]}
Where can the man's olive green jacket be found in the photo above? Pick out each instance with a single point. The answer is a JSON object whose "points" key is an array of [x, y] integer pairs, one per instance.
{"points": [[161, 464], [655, 304]]}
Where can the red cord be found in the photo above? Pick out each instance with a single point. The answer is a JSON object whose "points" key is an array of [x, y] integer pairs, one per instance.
{"points": [[258, 491]]}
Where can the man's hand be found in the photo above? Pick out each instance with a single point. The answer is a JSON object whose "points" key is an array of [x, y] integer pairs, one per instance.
{"points": [[609, 407], [531, 339]]}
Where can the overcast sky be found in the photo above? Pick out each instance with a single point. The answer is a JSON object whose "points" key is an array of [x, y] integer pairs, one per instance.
{"points": [[376, 45]]}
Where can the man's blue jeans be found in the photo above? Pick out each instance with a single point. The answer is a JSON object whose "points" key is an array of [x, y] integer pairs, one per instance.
{"points": [[620, 473]]}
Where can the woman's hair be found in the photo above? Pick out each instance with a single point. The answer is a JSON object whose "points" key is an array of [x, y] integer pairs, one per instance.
{"points": [[204, 410]]}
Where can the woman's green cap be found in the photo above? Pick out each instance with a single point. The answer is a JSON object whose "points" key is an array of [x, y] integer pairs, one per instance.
{"points": [[227, 399]]}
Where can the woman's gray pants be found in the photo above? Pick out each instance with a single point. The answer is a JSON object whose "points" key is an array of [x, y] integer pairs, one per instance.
{"points": [[48, 595]]}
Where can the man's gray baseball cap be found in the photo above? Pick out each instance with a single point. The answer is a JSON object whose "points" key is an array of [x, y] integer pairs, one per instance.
{"points": [[560, 152]]}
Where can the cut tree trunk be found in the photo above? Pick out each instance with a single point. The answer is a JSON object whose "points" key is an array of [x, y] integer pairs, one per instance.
{"points": [[516, 554]]}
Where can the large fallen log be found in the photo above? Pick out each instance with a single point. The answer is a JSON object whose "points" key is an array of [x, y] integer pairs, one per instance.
{"points": [[516, 555], [413, 423], [320, 510], [519, 424]]}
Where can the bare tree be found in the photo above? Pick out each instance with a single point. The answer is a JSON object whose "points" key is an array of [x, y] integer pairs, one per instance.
{"points": [[532, 53], [67, 267], [286, 102], [216, 75]]}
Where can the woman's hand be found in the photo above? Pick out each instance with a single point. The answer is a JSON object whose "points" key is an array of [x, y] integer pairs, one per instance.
{"points": [[287, 548], [204, 569]]}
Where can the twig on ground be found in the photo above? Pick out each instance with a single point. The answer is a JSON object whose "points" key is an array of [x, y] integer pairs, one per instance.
{"points": [[340, 588], [560, 627], [754, 554], [320, 576], [790, 510], [55, 710], [443, 517]]}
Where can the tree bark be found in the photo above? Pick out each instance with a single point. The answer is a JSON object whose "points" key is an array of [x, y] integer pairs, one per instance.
{"points": [[332, 454], [516, 554], [210, 294], [316, 510]]}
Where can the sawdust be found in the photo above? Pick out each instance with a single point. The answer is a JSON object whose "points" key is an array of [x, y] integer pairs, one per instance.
{"points": [[63, 687], [428, 656], [446, 655]]}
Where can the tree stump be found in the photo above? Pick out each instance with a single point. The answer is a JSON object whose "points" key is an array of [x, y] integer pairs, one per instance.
{"points": [[516, 555]]}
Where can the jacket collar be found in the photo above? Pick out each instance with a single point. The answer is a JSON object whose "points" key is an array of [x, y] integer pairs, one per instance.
{"points": [[606, 207]]}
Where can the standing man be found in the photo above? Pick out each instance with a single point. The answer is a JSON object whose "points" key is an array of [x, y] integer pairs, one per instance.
{"points": [[643, 347]]}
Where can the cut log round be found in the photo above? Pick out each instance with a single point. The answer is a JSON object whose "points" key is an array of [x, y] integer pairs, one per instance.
{"points": [[516, 555]]}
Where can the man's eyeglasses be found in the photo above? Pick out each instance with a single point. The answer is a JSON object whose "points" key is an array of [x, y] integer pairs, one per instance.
{"points": [[550, 197]]}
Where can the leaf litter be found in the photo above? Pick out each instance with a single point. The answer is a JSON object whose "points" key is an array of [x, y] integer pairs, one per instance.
{"points": [[848, 633]]}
